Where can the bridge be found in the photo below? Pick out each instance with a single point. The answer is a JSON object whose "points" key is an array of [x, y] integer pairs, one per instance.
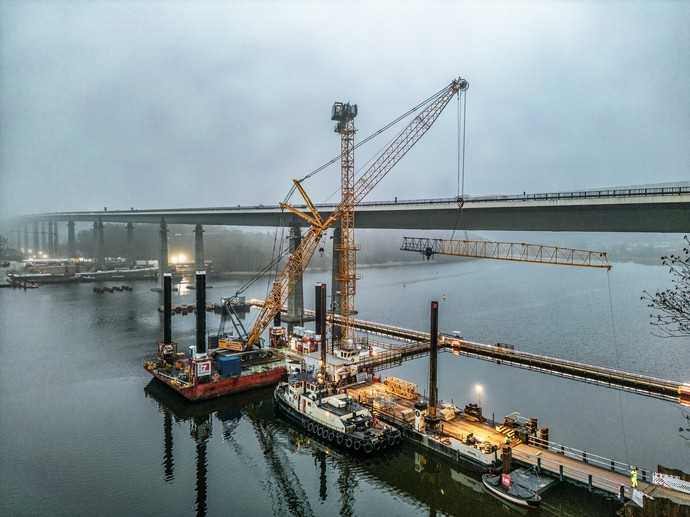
{"points": [[659, 209]]}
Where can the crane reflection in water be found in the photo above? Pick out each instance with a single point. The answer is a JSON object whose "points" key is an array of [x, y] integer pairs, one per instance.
{"points": [[412, 481]]}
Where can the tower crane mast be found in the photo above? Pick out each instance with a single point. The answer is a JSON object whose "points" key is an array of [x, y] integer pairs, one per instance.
{"points": [[391, 155]]}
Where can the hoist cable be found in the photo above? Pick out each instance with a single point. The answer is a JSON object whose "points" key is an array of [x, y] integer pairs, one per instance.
{"points": [[618, 365]]}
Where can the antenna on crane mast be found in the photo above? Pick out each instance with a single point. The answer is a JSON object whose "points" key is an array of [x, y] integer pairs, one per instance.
{"points": [[344, 292]]}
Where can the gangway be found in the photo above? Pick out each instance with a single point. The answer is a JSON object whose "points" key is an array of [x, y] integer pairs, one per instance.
{"points": [[416, 344]]}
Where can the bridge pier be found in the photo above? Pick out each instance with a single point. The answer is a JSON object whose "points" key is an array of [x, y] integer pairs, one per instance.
{"points": [[55, 240], [130, 245], [100, 245], [295, 309], [335, 282], [50, 239], [163, 257], [27, 245], [199, 248], [71, 240], [36, 241], [44, 247]]}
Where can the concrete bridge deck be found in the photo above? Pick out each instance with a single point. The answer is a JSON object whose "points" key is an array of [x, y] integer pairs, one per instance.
{"points": [[664, 209]]}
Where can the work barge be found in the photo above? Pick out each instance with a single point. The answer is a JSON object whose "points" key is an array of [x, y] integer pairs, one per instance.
{"points": [[466, 437]]}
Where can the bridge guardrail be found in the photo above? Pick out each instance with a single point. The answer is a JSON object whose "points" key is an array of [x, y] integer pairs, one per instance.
{"points": [[540, 196]]}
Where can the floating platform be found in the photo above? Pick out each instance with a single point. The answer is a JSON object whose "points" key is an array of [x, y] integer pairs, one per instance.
{"points": [[474, 444], [253, 373]]}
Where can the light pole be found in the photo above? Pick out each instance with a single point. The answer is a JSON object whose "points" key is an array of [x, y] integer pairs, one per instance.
{"points": [[478, 389]]}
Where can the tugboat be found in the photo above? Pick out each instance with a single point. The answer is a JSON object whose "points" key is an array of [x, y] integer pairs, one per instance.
{"points": [[335, 418], [313, 405]]}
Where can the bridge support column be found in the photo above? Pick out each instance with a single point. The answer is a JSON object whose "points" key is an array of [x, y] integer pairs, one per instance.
{"points": [[130, 245], [36, 239], [56, 242], [335, 282], [44, 247], [71, 240], [295, 314], [163, 257], [199, 248], [51, 247], [100, 245], [27, 244]]}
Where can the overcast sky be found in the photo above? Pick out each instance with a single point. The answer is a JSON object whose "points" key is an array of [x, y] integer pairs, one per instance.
{"points": [[194, 104]]}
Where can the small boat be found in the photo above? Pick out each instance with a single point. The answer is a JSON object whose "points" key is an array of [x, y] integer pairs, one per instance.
{"points": [[502, 487]]}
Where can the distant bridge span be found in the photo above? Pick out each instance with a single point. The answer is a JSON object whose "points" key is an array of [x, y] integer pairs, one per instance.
{"points": [[654, 209]]}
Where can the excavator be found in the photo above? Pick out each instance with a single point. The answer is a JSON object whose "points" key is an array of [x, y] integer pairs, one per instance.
{"points": [[427, 113]]}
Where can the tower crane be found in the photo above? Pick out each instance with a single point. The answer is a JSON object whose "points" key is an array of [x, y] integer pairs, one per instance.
{"points": [[367, 181]]}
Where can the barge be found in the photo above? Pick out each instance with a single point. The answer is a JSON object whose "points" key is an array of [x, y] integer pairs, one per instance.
{"points": [[198, 374]]}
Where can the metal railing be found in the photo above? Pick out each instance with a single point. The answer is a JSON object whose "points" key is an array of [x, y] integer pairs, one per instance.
{"points": [[542, 196], [592, 481], [610, 464]]}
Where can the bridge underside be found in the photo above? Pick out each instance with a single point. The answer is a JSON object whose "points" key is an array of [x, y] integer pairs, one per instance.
{"points": [[661, 217]]}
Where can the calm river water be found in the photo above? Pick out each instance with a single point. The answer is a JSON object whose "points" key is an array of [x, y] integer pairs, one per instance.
{"points": [[83, 431]]}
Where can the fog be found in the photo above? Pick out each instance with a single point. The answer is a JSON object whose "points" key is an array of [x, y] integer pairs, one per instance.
{"points": [[165, 104]]}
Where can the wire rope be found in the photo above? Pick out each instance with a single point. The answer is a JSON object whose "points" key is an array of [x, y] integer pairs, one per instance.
{"points": [[618, 365]]}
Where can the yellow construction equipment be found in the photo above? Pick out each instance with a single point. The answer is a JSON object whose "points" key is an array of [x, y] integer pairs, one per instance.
{"points": [[401, 387], [391, 155], [344, 114]]}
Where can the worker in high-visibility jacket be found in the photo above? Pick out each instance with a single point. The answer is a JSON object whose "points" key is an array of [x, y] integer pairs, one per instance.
{"points": [[633, 477]]}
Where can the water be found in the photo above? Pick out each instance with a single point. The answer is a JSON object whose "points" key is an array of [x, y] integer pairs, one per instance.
{"points": [[83, 430]]}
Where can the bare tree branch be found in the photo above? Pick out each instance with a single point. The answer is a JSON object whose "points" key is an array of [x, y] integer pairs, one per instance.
{"points": [[671, 307]]}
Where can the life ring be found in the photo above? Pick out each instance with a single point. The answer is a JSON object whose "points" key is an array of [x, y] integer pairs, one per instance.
{"points": [[357, 445], [368, 447], [339, 439], [331, 435], [348, 443]]}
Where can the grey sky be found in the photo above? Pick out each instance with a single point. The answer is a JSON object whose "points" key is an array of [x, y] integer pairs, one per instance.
{"points": [[163, 104]]}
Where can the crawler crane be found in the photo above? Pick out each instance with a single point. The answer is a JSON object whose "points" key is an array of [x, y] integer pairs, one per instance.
{"points": [[354, 192]]}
